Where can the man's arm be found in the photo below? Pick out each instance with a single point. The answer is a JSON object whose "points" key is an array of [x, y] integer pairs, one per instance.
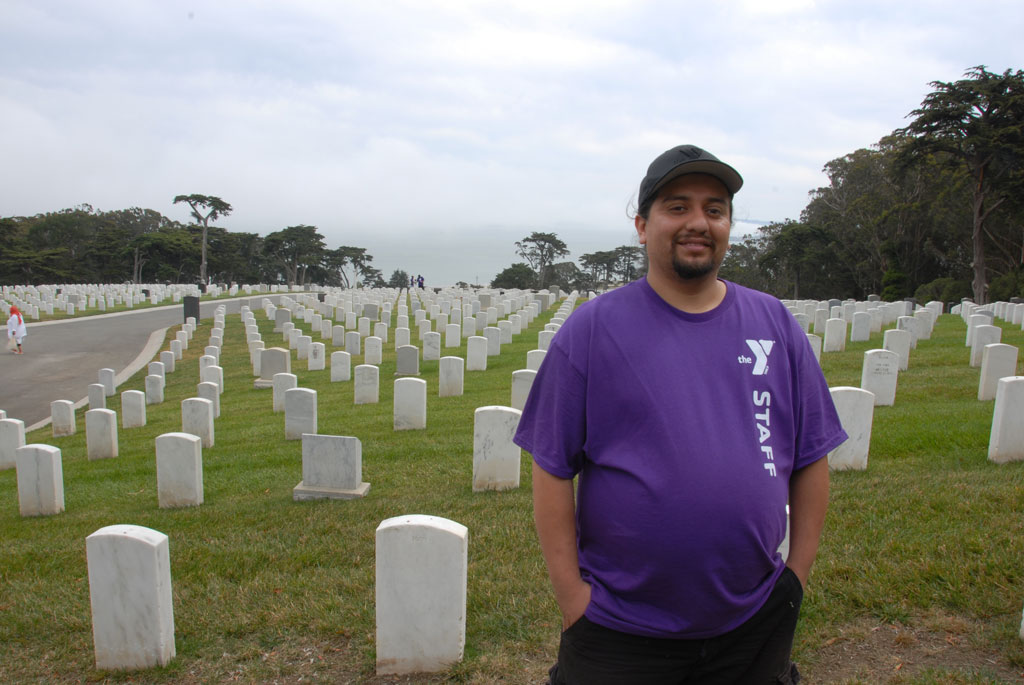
{"points": [[554, 509], [808, 500]]}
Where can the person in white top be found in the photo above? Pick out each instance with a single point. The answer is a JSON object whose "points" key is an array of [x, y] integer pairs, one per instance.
{"points": [[16, 329]]}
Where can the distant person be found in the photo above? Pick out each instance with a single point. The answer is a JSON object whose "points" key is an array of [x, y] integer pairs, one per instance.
{"points": [[419, 280], [692, 410], [16, 330], [412, 281]]}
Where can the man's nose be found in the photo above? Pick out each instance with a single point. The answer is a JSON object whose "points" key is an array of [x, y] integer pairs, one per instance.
{"points": [[698, 223]]}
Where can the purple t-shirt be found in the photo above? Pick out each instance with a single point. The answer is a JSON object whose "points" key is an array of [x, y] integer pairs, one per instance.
{"points": [[684, 430]]}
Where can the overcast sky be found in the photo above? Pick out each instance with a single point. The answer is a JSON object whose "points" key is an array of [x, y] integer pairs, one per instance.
{"points": [[436, 134]]}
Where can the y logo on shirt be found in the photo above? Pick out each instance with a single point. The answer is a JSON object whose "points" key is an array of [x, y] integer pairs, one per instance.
{"points": [[761, 350]]}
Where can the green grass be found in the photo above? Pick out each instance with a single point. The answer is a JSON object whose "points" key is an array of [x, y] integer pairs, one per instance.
{"points": [[269, 589]]}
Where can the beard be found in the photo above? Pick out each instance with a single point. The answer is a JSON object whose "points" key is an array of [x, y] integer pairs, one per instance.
{"points": [[690, 271]]}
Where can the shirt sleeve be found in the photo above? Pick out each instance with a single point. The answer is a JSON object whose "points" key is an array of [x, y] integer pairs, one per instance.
{"points": [[553, 425]]}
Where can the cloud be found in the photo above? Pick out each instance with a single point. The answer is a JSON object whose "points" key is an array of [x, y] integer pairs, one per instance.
{"points": [[404, 126]]}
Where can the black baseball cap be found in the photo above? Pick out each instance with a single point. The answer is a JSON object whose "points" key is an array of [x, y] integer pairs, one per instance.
{"points": [[686, 159]]}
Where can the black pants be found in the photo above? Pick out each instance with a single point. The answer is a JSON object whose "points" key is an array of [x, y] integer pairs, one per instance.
{"points": [[756, 652]]}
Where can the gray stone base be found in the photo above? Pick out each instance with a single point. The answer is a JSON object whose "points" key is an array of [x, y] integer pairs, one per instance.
{"points": [[303, 492], [261, 384]]}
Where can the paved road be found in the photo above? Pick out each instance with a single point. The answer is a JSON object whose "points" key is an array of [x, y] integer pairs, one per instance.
{"points": [[62, 358]]}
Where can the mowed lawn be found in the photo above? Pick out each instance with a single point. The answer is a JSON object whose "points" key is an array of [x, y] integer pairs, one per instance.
{"points": [[930, 537]]}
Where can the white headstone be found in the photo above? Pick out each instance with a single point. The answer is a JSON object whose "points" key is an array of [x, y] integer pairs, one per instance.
{"points": [[205, 361], [213, 374], [341, 366], [452, 335], [534, 358], [157, 369], [926, 323], [997, 361], [197, 419], [495, 457], [281, 317], [421, 571], [283, 382], [302, 344], [338, 336], [410, 404], [97, 396], [431, 346], [130, 592], [476, 353], [423, 327], [154, 389], [300, 413], [62, 417], [1006, 441], [522, 381], [861, 329], [407, 362], [898, 341], [544, 339], [973, 321], [451, 376], [352, 343], [273, 360], [366, 385], [179, 470], [493, 336], [167, 359], [879, 376], [815, 343], [373, 351], [983, 335], [835, 335], [133, 409], [856, 409], [332, 468], [401, 337], [317, 356], [210, 391], [101, 434], [40, 480]]}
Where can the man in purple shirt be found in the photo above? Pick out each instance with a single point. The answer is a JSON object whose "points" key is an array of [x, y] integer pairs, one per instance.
{"points": [[691, 410]]}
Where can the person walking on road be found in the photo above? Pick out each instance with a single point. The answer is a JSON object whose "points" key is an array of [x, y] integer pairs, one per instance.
{"points": [[16, 329]]}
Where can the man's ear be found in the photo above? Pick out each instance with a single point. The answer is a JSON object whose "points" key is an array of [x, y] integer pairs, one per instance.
{"points": [[641, 228]]}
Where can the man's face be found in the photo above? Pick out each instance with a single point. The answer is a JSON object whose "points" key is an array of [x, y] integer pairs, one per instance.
{"points": [[687, 230]]}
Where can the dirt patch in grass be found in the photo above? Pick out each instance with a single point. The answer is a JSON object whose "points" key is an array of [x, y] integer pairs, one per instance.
{"points": [[936, 648]]}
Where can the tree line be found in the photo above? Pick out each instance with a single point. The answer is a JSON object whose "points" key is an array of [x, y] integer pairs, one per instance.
{"points": [[540, 269], [934, 210], [86, 245]]}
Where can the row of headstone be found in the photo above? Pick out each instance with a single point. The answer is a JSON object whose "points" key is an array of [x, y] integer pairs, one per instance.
{"points": [[72, 299], [421, 579], [140, 561], [832, 320]]}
